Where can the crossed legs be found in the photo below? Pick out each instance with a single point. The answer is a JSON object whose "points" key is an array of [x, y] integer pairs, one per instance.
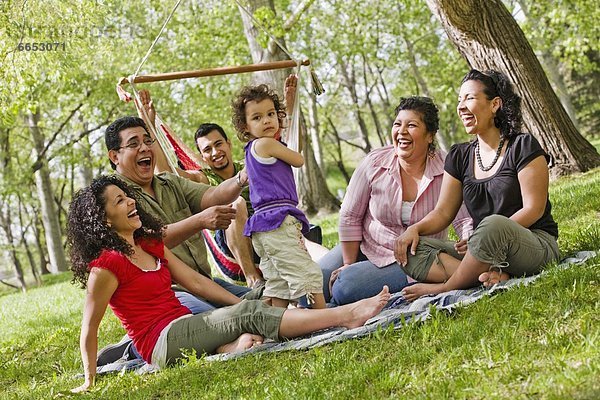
{"points": [[496, 240]]}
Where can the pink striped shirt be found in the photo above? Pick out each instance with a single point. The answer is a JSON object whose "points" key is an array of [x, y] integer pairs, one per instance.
{"points": [[372, 208]]}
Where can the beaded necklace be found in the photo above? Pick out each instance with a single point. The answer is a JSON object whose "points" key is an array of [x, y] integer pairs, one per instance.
{"points": [[478, 156]]}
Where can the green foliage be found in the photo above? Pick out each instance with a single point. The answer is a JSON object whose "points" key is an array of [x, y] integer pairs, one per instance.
{"points": [[569, 28], [567, 31], [383, 44], [538, 342], [269, 21]]}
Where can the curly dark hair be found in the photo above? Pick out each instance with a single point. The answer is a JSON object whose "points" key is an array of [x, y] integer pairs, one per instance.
{"points": [[428, 110], [508, 117], [253, 93], [112, 134], [88, 233]]}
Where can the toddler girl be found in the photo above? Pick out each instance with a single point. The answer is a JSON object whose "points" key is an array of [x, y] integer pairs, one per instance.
{"points": [[277, 224]]}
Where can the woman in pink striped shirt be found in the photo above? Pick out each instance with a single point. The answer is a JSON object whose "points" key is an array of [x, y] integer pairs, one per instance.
{"points": [[392, 188]]}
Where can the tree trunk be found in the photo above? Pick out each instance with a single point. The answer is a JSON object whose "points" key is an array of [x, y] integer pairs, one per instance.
{"points": [[31, 260], [587, 87], [551, 66], [86, 172], [337, 157], [385, 98], [487, 35], [313, 193], [273, 78], [423, 88], [52, 231], [6, 223], [24, 228], [349, 82], [37, 232], [312, 179], [368, 90]]}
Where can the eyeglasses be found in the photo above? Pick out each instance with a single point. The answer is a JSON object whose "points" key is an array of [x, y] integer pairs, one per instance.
{"points": [[134, 144]]}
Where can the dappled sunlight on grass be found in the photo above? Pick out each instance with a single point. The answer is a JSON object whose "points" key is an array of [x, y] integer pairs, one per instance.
{"points": [[576, 208]]}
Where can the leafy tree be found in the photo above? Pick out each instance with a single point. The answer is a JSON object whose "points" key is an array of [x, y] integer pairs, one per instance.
{"points": [[566, 38], [487, 35], [50, 57]]}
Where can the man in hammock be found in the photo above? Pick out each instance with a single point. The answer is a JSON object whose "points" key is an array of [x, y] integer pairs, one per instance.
{"points": [[214, 148]]}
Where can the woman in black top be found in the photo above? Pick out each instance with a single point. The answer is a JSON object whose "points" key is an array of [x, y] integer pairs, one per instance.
{"points": [[502, 176]]}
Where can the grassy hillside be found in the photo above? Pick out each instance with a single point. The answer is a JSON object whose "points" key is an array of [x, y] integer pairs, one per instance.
{"points": [[541, 341]]}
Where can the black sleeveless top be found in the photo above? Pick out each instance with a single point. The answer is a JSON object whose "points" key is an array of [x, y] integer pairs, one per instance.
{"points": [[499, 193]]}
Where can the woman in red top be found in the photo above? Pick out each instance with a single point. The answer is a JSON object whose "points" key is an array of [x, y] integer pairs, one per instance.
{"points": [[118, 254]]}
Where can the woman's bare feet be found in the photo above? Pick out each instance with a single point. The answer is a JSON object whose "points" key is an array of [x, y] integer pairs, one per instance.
{"points": [[358, 313], [493, 277], [413, 292], [244, 342]]}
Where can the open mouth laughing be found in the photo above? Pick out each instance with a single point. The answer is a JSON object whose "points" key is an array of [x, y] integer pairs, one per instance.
{"points": [[133, 213], [145, 162], [403, 143]]}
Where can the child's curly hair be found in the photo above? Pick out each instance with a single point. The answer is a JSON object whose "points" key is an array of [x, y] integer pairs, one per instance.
{"points": [[253, 93], [88, 233]]}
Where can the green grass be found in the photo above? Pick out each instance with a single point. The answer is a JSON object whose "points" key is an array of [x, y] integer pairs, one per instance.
{"points": [[540, 341]]}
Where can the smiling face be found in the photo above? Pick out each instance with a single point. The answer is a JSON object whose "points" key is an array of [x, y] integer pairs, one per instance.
{"points": [[474, 109], [215, 150], [261, 118], [121, 213], [410, 137], [137, 163]]}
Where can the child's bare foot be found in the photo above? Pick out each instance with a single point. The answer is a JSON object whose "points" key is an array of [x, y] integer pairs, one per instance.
{"points": [[413, 292], [244, 342], [359, 312], [493, 277]]}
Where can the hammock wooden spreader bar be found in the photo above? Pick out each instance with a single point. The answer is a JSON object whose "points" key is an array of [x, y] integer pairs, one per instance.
{"points": [[170, 76]]}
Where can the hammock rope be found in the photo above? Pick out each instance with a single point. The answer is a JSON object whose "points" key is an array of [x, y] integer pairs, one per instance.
{"points": [[173, 148], [157, 37]]}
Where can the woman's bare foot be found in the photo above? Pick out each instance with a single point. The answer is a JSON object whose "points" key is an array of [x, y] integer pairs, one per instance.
{"points": [[493, 277], [358, 313], [413, 292], [244, 342]]}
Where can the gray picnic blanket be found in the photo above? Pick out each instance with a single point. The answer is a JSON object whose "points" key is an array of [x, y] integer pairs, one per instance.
{"points": [[399, 312]]}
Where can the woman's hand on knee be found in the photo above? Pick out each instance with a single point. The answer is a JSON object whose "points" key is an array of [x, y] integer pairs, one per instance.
{"points": [[461, 246], [409, 239], [334, 276]]}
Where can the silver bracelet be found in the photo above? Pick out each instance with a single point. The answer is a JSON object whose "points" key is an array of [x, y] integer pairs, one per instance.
{"points": [[239, 181]]}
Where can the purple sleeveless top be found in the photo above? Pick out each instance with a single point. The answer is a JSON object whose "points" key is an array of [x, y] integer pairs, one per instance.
{"points": [[272, 193]]}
